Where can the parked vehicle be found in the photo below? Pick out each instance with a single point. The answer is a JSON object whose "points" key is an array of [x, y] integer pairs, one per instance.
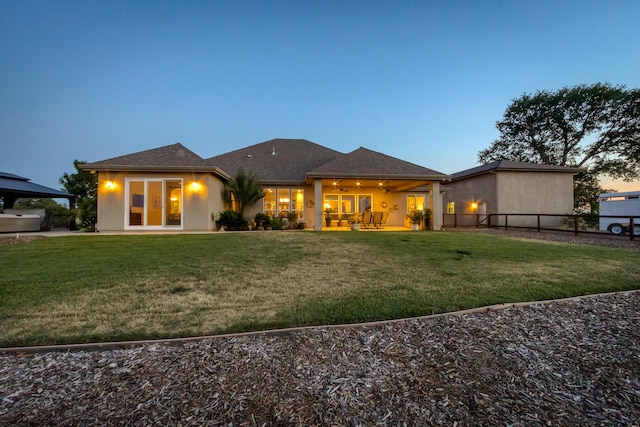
{"points": [[626, 205]]}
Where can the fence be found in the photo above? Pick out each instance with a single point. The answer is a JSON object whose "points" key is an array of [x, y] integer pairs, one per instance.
{"points": [[585, 223]]}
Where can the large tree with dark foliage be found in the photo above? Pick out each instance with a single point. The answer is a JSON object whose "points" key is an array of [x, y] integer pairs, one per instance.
{"points": [[594, 127], [84, 185]]}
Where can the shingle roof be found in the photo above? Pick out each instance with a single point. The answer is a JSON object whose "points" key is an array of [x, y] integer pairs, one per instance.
{"points": [[365, 163], [508, 165], [274, 162], [277, 161], [169, 157], [18, 186]]}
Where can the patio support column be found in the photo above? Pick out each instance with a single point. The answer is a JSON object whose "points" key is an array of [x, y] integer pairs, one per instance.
{"points": [[436, 198], [317, 204]]}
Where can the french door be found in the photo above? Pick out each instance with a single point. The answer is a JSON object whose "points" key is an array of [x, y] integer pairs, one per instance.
{"points": [[153, 203]]}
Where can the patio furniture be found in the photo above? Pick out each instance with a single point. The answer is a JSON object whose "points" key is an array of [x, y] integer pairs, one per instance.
{"points": [[383, 221], [377, 219], [367, 219]]}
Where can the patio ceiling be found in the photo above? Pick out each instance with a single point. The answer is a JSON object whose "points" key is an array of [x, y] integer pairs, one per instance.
{"points": [[394, 185]]}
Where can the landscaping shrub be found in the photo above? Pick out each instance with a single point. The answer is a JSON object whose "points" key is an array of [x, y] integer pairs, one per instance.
{"points": [[261, 220], [292, 218], [231, 220]]}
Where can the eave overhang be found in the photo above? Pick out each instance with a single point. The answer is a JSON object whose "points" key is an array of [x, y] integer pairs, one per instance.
{"points": [[376, 176], [157, 169]]}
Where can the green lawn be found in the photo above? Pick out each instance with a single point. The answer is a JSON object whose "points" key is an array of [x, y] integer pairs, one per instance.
{"points": [[102, 288]]}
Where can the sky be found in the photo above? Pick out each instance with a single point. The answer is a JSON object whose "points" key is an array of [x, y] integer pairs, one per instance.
{"points": [[423, 81]]}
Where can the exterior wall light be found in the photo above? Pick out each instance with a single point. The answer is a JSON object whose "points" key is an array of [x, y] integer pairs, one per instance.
{"points": [[110, 185], [474, 206], [195, 186]]}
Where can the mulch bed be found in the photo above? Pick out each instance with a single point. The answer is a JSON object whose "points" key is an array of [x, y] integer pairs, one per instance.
{"points": [[567, 363], [15, 238]]}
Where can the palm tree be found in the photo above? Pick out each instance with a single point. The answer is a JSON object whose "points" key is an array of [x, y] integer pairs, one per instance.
{"points": [[242, 191]]}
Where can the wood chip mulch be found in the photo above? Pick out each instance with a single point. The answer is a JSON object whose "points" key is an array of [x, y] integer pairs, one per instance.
{"points": [[15, 238], [567, 363]]}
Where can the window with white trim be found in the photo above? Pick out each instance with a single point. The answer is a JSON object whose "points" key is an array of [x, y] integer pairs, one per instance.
{"points": [[415, 202]]}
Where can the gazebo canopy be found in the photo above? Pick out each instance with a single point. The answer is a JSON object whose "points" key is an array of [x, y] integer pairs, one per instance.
{"points": [[14, 187]]}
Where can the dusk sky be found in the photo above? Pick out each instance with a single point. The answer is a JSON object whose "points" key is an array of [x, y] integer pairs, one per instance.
{"points": [[423, 81]]}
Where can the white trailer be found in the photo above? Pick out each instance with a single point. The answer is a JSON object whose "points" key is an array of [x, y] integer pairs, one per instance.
{"points": [[626, 205]]}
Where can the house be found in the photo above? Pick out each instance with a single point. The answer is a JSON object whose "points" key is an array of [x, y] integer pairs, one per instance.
{"points": [[508, 187], [172, 188]]}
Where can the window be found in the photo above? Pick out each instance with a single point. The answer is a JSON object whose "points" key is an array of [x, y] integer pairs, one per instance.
{"points": [[331, 201], [348, 204], [279, 202], [415, 202], [451, 208], [297, 202], [269, 202], [283, 198], [345, 204]]}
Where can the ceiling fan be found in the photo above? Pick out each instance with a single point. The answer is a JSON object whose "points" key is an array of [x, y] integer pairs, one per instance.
{"points": [[341, 189]]}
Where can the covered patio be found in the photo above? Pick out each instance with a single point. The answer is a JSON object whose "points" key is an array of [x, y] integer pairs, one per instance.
{"points": [[14, 187]]}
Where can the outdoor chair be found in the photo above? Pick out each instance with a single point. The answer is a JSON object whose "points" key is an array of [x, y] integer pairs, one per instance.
{"points": [[367, 218], [377, 219], [383, 221]]}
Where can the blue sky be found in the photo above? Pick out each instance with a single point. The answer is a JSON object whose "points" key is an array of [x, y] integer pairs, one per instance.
{"points": [[423, 81]]}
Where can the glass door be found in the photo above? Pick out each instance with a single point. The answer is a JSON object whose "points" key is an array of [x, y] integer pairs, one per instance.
{"points": [[135, 203], [173, 202], [364, 202], [153, 203]]}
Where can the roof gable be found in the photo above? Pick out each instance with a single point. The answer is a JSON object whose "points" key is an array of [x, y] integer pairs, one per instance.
{"points": [[366, 163], [509, 165], [175, 156], [277, 160]]}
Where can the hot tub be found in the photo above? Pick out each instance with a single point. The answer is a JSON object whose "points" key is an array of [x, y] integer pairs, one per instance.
{"points": [[11, 223]]}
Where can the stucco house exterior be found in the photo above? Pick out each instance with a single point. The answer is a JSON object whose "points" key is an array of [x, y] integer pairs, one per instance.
{"points": [[508, 187], [172, 188]]}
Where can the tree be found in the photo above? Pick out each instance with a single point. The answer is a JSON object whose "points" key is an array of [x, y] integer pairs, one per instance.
{"points": [[595, 127], [84, 185], [242, 191]]}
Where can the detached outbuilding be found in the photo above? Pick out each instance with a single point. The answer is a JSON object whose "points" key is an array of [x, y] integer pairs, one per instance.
{"points": [[508, 187]]}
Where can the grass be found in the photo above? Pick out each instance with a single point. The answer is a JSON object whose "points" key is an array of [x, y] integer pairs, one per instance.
{"points": [[102, 288]]}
